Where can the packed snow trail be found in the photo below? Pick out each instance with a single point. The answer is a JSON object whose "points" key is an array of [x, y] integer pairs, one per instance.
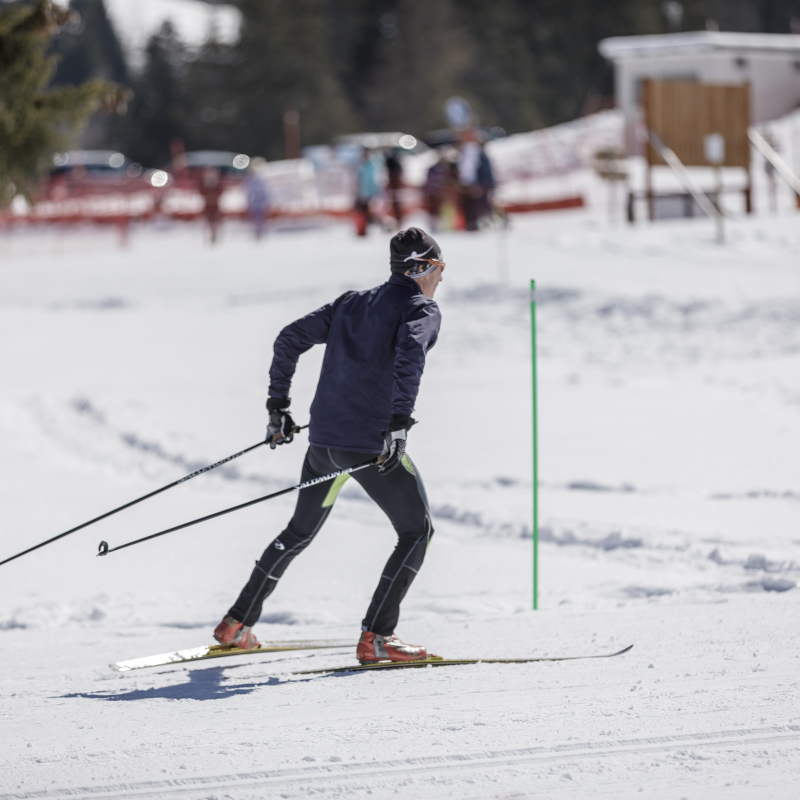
{"points": [[450, 774], [670, 517]]}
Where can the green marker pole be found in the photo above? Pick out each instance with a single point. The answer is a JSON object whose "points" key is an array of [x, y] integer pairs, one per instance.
{"points": [[535, 455]]}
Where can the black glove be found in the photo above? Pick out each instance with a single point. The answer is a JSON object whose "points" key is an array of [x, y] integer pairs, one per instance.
{"points": [[394, 442], [281, 428]]}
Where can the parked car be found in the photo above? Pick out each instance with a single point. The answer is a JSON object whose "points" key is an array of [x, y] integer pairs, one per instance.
{"points": [[85, 172], [95, 165], [230, 165]]}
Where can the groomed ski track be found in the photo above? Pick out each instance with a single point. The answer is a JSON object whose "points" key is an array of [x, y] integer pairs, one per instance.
{"points": [[669, 518], [453, 771]]}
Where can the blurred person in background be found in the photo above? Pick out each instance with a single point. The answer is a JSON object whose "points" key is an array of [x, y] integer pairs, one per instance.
{"points": [[258, 196], [468, 164], [210, 187], [485, 179], [438, 187], [394, 183], [376, 344], [367, 189]]}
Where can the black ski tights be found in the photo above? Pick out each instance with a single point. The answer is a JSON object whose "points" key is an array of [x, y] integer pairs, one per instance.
{"points": [[400, 494]]}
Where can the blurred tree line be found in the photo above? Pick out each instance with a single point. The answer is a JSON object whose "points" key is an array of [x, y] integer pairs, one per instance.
{"points": [[374, 65]]}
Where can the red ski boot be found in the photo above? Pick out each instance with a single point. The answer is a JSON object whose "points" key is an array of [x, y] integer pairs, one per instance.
{"points": [[372, 647], [229, 631]]}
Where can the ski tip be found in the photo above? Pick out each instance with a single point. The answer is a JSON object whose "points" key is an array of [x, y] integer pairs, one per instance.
{"points": [[624, 650]]}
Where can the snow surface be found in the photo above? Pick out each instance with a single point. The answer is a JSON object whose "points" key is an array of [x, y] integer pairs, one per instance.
{"points": [[193, 20], [669, 394]]}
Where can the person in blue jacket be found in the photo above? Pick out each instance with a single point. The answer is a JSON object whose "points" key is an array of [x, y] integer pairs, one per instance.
{"points": [[376, 343]]}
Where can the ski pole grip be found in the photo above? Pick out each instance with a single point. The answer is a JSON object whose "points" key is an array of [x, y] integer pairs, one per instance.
{"points": [[278, 439], [102, 548]]}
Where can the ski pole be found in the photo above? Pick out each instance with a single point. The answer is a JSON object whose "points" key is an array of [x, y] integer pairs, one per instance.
{"points": [[103, 548], [138, 500]]}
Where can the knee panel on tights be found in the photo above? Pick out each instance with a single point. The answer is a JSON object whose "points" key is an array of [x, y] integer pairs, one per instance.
{"points": [[412, 545], [282, 551]]}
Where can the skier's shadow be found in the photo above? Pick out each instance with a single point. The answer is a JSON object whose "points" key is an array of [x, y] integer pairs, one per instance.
{"points": [[203, 684]]}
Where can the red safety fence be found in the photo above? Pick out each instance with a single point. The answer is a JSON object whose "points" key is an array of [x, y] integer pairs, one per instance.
{"points": [[296, 191]]}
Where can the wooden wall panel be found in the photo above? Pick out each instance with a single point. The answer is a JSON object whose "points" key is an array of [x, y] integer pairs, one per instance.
{"points": [[683, 112]]}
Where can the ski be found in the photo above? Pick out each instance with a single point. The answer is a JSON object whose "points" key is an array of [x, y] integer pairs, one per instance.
{"points": [[438, 661], [225, 650]]}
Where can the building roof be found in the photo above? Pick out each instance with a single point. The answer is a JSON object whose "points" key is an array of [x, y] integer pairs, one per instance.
{"points": [[621, 48]]}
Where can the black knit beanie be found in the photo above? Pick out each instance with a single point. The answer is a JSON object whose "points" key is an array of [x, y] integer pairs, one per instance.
{"points": [[414, 253]]}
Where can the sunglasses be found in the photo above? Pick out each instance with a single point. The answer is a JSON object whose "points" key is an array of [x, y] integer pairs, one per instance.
{"points": [[415, 270]]}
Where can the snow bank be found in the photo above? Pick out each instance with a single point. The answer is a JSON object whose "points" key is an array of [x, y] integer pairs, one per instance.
{"points": [[670, 519]]}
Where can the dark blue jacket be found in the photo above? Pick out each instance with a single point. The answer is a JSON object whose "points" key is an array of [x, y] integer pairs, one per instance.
{"points": [[376, 346]]}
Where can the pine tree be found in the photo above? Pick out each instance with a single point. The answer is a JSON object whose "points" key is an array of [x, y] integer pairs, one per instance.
{"points": [[159, 110], [501, 79], [91, 50], [36, 121], [287, 63], [422, 55], [213, 113]]}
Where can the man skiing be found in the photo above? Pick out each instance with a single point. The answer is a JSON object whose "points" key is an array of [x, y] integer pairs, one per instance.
{"points": [[376, 342]]}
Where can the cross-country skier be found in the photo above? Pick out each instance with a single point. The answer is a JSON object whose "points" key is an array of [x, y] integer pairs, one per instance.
{"points": [[376, 341]]}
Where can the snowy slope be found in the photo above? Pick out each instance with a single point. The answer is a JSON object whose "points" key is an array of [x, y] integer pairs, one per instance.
{"points": [[669, 396], [136, 22]]}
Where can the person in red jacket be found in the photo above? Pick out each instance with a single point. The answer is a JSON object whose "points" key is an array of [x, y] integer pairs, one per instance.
{"points": [[211, 187]]}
